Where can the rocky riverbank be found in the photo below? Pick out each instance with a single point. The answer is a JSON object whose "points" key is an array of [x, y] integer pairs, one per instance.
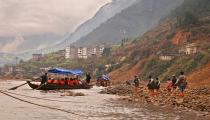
{"points": [[197, 99]]}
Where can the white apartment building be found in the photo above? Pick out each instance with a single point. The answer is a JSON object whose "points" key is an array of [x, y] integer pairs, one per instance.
{"points": [[67, 54], [73, 52]]}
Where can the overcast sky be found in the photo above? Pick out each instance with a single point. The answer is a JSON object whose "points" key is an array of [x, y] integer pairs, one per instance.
{"points": [[27, 17]]}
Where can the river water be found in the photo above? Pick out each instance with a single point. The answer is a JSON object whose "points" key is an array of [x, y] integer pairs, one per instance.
{"points": [[92, 104]]}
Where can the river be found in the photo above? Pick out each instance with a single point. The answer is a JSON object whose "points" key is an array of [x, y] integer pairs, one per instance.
{"points": [[92, 104]]}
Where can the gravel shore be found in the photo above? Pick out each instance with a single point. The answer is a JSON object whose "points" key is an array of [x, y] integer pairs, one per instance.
{"points": [[195, 99]]}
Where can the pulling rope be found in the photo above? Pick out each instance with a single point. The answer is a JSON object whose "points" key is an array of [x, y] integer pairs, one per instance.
{"points": [[53, 108], [40, 98]]}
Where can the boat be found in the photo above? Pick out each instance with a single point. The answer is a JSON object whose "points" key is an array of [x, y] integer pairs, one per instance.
{"points": [[62, 84], [57, 86]]}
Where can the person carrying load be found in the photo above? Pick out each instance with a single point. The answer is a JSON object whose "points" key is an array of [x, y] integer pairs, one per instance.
{"points": [[157, 85], [182, 83], [152, 85]]}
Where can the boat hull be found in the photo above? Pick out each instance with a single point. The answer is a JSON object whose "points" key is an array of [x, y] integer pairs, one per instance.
{"points": [[57, 86]]}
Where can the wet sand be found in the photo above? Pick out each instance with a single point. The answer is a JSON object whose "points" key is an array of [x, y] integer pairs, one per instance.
{"points": [[92, 104]]}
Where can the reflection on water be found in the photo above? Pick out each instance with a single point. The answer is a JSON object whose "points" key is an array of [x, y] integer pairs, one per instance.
{"points": [[93, 104]]}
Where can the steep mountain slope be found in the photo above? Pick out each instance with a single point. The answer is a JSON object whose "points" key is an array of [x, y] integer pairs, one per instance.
{"points": [[201, 77], [106, 12], [142, 55], [131, 22]]}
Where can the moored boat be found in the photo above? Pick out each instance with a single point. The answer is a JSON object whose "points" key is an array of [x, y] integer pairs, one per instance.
{"points": [[63, 83], [51, 86]]}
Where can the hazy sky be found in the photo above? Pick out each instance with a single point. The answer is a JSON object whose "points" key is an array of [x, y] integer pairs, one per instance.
{"points": [[28, 17]]}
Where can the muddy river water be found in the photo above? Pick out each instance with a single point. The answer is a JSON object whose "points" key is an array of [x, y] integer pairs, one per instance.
{"points": [[92, 104]]}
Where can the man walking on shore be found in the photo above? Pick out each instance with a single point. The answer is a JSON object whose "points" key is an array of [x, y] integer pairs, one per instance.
{"points": [[136, 81], [136, 89], [182, 83]]}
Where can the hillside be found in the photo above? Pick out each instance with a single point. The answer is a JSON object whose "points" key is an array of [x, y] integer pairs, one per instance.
{"points": [[131, 22], [173, 33], [201, 77]]}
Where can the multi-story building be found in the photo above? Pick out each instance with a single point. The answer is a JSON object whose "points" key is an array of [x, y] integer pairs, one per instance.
{"points": [[67, 53], [82, 53], [73, 52], [189, 49], [37, 57]]}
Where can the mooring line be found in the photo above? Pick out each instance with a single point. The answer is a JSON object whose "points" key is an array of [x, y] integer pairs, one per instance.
{"points": [[40, 98], [53, 108]]}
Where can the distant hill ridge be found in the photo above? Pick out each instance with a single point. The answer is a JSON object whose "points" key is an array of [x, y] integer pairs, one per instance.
{"points": [[131, 22]]}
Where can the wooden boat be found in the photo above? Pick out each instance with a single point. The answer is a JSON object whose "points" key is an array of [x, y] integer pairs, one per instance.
{"points": [[51, 86], [56, 86]]}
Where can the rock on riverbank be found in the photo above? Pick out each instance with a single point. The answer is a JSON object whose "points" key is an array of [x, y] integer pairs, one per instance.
{"points": [[197, 99]]}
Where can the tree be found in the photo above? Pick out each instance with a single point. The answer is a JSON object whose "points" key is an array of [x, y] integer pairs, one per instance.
{"points": [[107, 51]]}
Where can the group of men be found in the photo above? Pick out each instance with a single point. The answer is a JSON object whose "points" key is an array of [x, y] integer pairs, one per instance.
{"points": [[153, 85]]}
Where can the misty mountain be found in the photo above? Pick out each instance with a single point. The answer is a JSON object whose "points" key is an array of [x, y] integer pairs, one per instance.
{"points": [[47, 43], [20, 43], [105, 13], [24, 46], [131, 22], [113, 22]]}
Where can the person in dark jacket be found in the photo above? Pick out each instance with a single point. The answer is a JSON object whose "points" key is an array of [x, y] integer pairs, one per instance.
{"points": [[157, 84], [44, 79], [88, 78], [174, 80], [151, 86], [136, 81]]}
